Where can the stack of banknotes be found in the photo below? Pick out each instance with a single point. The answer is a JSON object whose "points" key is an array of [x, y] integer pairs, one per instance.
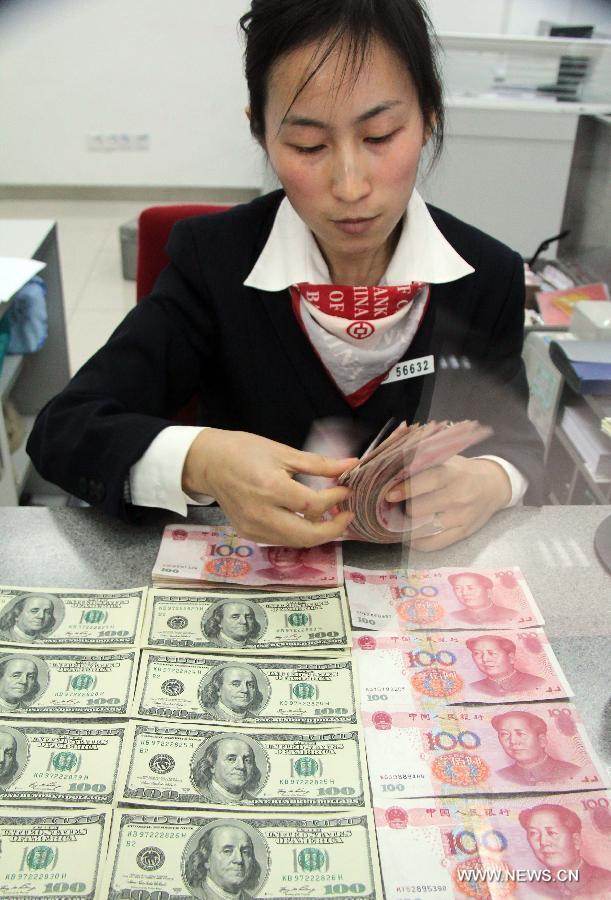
{"points": [[163, 743], [483, 780], [205, 556], [176, 744], [409, 449]]}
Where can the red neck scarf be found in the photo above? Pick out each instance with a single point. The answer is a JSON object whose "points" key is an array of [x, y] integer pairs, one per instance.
{"points": [[345, 326], [360, 307]]}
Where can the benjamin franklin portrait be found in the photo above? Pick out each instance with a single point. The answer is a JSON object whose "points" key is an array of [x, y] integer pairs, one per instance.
{"points": [[13, 755], [234, 692], [226, 858], [229, 768], [234, 623], [30, 617], [22, 679]]}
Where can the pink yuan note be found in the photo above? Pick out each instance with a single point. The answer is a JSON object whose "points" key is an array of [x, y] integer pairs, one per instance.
{"points": [[217, 554], [421, 670], [487, 848]]}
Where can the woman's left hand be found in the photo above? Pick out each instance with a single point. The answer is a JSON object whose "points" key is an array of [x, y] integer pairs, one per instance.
{"points": [[462, 493]]}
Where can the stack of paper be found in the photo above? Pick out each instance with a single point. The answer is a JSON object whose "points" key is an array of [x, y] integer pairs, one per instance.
{"points": [[14, 273], [581, 427]]}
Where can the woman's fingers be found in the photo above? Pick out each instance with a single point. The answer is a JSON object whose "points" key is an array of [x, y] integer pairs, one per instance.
{"points": [[422, 483], [315, 464], [312, 504], [286, 528], [303, 533]]}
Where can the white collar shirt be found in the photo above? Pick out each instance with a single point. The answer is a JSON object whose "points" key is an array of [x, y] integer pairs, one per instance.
{"points": [[291, 254]]}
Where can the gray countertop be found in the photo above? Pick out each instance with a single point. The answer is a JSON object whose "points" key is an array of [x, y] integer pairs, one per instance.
{"points": [[553, 546]]}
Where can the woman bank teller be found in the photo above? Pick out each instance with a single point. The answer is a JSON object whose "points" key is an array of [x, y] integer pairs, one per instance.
{"points": [[294, 307]]}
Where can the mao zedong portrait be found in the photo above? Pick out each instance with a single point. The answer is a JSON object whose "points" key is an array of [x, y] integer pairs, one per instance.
{"points": [[8, 758], [28, 618], [474, 593], [555, 837], [223, 865], [227, 772], [288, 564], [232, 694], [495, 656], [232, 624], [19, 682], [523, 737]]}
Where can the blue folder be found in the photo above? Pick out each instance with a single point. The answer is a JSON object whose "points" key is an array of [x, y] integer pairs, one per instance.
{"points": [[586, 365]]}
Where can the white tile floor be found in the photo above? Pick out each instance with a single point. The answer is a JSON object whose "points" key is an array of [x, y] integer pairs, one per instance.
{"points": [[96, 297]]}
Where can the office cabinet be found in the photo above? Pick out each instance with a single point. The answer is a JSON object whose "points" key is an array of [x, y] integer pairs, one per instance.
{"points": [[32, 379]]}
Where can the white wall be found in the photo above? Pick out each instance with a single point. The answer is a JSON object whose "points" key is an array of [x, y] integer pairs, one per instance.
{"points": [[69, 68]]}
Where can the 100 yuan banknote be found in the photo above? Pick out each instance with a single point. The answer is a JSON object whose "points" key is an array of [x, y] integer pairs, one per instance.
{"points": [[208, 767], [418, 670], [53, 853], [210, 855], [54, 683], [66, 763], [248, 691], [474, 750], [62, 618], [193, 555], [255, 623], [403, 600], [522, 848]]}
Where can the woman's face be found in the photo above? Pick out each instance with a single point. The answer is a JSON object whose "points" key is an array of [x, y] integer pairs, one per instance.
{"points": [[346, 152]]}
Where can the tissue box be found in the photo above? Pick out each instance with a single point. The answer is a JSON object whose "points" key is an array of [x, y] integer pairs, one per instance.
{"points": [[591, 320]]}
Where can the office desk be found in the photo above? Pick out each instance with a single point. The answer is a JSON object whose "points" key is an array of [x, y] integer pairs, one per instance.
{"points": [[553, 546]]}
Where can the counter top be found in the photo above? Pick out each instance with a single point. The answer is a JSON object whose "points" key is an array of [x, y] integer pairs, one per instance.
{"points": [[553, 546]]}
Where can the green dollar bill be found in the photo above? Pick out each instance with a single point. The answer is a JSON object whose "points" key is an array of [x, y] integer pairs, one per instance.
{"points": [[256, 623], [60, 763], [53, 683], [250, 691], [207, 767], [208, 855], [52, 853], [54, 617]]}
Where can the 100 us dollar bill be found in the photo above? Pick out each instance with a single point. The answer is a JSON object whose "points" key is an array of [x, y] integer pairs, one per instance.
{"points": [[53, 683], [248, 691], [258, 623], [210, 855], [208, 767], [69, 764], [54, 617], [52, 853]]}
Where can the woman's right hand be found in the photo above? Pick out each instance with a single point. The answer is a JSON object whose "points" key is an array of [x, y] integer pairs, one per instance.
{"points": [[251, 478]]}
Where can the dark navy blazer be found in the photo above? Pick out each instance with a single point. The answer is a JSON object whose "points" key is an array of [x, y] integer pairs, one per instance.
{"points": [[244, 354]]}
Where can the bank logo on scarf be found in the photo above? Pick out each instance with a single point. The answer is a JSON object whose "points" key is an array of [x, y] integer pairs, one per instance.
{"points": [[359, 333], [360, 310]]}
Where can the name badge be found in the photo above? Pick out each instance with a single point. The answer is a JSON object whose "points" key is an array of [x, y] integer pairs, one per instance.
{"points": [[411, 368]]}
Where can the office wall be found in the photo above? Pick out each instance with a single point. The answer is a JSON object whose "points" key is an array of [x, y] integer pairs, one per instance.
{"points": [[70, 69]]}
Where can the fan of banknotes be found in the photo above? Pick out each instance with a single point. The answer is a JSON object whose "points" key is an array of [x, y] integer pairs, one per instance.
{"points": [[409, 449]]}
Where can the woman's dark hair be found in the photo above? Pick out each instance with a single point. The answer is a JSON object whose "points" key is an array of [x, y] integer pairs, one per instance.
{"points": [[275, 27]]}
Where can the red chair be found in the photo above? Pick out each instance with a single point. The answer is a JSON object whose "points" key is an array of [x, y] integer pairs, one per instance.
{"points": [[154, 226]]}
